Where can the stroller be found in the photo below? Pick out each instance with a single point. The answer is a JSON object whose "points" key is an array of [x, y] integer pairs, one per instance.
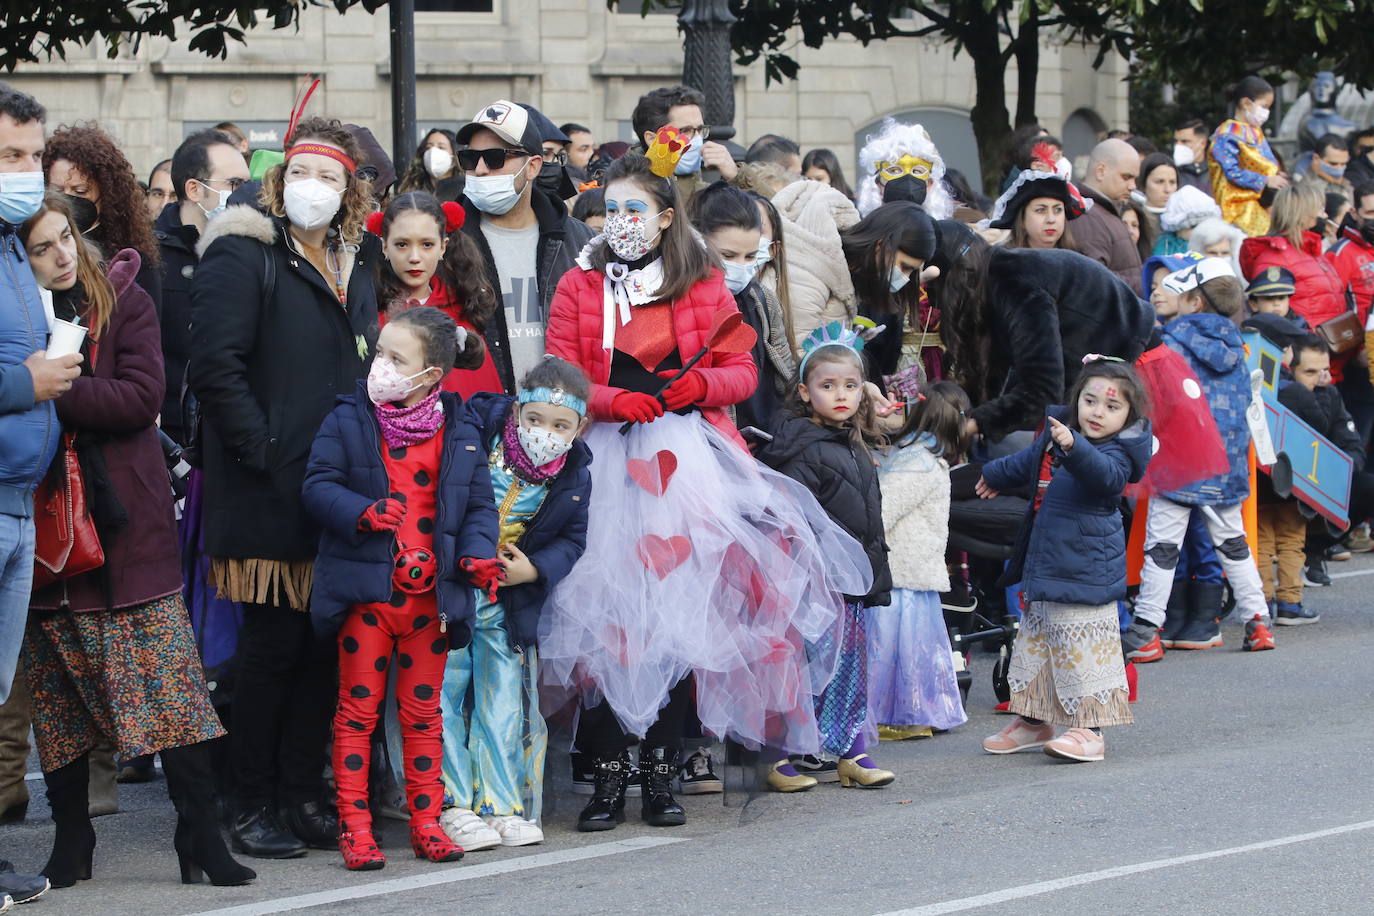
{"points": [[982, 533]]}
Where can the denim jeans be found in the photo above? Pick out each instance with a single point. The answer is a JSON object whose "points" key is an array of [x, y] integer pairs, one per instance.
{"points": [[16, 581]]}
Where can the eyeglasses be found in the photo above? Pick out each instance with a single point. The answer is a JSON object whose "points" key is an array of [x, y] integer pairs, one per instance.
{"points": [[691, 133], [560, 157], [495, 158], [234, 183]]}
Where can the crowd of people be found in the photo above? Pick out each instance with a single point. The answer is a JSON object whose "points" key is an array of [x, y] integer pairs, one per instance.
{"points": [[337, 484]]}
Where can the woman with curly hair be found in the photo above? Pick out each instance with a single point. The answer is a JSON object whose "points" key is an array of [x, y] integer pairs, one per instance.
{"points": [[284, 318], [434, 168], [83, 161]]}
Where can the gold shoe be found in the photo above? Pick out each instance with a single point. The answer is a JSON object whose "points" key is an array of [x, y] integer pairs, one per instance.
{"points": [[851, 774], [781, 782], [903, 732]]}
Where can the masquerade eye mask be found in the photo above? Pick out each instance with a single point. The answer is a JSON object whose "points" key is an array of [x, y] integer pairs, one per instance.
{"points": [[907, 165]]}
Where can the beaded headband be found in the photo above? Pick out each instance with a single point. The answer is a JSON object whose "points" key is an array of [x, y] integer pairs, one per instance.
{"points": [[320, 149], [555, 396]]}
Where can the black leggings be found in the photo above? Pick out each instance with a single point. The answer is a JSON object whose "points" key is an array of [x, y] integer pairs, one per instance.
{"points": [[599, 732]]}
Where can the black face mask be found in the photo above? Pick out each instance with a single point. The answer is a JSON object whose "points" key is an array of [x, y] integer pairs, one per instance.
{"points": [[908, 188], [553, 178], [84, 214], [1319, 226]]}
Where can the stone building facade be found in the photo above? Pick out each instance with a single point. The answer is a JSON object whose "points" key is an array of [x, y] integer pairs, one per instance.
{"points": [[573, 59]]}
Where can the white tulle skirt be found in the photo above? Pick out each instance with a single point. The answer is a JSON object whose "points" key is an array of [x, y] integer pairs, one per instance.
{"points": [[700, 560]]}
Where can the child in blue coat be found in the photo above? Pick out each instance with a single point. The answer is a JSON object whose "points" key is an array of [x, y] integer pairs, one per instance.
{"points": [[1067, 667], [398, 481], [494, 737]]}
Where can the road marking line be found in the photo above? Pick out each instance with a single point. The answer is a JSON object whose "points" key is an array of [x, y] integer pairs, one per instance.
{"points": [[1347, 575], [447, 876], [1045, 887]]}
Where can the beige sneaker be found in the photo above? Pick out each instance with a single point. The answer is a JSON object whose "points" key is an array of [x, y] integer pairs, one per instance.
{"points": [[1020, 735], [1079, 744]]}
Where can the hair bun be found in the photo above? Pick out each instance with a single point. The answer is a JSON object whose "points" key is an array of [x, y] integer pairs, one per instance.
{"points": [[374, 221], [454, 217]]}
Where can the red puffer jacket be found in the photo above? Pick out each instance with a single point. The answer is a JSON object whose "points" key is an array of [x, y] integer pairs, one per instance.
{"points": [[464, 382], [1321, 294], [576, 318], [1353, 259]]}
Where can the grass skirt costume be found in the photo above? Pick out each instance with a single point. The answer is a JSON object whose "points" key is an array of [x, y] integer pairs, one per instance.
{"points": [[702, 561], [1067, 667]]}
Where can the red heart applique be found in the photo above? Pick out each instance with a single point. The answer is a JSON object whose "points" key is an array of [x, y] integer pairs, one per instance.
{"points": [[654, 473], [649, 336], [663, 555]]}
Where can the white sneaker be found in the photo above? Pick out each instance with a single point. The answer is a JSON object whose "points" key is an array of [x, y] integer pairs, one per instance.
{"points": [[516, 831], [468, 830]]}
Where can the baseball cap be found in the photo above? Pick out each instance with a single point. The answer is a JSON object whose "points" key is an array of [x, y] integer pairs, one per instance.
{"points": [[1276, 329], [1194, 275], [548, 131], [510, 122], [1170, 262], [1272, 281]]}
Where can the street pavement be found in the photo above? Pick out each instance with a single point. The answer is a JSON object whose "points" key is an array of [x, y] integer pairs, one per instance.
{"points": [[1244, 788]]}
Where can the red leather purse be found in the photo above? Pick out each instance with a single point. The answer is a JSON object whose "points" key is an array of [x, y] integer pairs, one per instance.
{"points": [[65, 542]]}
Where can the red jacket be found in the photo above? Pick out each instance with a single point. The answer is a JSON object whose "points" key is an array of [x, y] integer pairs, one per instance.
{"points": [[574, 333], [1353, 259], [466, 382], [1320, 293]]}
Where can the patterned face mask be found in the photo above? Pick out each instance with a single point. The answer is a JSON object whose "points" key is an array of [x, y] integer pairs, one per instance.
{"points": [[542, 445], [628, 234]]}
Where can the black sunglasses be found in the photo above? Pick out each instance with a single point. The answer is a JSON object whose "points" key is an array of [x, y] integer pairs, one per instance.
{"points": [[495, 158]]}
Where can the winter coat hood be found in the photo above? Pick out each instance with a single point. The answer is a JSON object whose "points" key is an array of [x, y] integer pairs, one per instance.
{"points": [[1206, 338]]}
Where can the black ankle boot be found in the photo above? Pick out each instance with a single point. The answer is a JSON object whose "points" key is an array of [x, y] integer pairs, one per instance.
{"points": [[607, 807], [258, 833], [1176, 612], [74, 844], [657, 805], [199, 845], [314, 823]]}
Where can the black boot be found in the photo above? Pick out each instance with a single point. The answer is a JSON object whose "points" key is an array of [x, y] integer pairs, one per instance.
{"points": [[259, 834], [1204, 608], [314, 823], [1176, 612], [607, 807], [657, 805], [74, 844], [199, 845]]}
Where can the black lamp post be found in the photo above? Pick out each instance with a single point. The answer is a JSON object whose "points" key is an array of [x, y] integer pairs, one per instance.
{"points": [[706, 63], [402, 83]]}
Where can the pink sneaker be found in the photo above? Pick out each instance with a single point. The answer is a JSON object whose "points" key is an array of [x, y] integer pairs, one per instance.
{"points": [[1020, 735], [1078, 744]]}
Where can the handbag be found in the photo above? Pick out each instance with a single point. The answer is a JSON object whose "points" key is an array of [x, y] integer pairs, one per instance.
{"points": [[1344, 332], [65, 542]]}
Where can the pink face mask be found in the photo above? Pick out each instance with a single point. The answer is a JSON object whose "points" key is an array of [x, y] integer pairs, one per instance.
{"points": [[386, 384]]}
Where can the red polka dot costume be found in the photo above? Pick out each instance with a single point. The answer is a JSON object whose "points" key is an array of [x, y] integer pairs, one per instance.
{"points": [[410, 623]]}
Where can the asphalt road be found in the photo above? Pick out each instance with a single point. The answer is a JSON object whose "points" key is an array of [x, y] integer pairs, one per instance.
{"points": [[1244, 788]]}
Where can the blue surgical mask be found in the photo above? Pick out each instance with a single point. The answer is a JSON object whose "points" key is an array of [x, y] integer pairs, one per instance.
{"points": [[738, 276], [494, 195], [21, 194], [765, 251], [690, 163], [896, 280], [223, 202]]}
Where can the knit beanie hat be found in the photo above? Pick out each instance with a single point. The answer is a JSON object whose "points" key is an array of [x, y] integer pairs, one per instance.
{"points": [[1187, 207]]}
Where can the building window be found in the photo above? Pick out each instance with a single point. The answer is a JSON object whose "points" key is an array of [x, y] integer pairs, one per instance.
{"points": [[455, 6]]}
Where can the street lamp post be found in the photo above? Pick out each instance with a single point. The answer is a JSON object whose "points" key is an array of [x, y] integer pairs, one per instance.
{"points": [[706, 61], [402, 83]]}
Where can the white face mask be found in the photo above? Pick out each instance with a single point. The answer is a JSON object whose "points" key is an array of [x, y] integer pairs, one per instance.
{"points": [[738, 276], [628, 236], [494, 195], [385, 383], [1257, 115], [218, 208], [438, 162], [542, 445], [896, 280], [1183, 154], [310, 203], [765, 251]]}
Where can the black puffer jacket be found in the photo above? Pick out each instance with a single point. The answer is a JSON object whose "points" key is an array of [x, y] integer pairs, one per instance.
{"points": [[845, 484], [177, 242]]}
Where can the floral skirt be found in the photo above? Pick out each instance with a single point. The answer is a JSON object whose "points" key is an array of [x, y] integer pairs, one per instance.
{"points": [[1067, 667], [130, 678]]}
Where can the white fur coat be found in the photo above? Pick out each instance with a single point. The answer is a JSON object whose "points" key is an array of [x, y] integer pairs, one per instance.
{"points": [[915, 487], [818, 281]]}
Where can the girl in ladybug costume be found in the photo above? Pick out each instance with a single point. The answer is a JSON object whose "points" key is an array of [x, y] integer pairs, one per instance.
{"points": [[398, 481]]}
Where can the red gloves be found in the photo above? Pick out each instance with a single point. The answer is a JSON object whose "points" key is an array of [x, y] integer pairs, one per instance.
{"points": [[383, 515], [636, 407], [485, 574], [685, 392]]}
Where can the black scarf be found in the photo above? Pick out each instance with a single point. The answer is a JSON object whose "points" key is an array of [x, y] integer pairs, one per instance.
{"points": [[107, 511]]}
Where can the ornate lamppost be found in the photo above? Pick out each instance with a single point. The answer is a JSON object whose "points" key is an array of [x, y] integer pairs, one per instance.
{"points": [[706, 63]]}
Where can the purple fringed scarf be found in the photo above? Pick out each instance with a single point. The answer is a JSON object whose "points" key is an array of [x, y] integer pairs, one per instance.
{"points": [[402, 426], [520, 463]]}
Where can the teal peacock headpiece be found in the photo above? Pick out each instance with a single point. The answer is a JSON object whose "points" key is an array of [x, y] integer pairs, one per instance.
{"points": [[834, 334]]}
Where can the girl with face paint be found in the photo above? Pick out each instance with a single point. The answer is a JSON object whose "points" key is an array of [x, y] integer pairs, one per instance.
{"points": [[684, 590]]}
